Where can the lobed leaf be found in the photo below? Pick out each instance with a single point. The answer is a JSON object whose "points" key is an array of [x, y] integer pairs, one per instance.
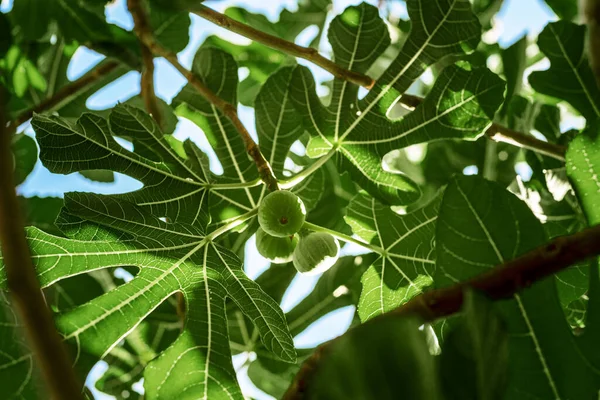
{"points": [[481, 225], [406, 264], [569, 77], [359, 132]]}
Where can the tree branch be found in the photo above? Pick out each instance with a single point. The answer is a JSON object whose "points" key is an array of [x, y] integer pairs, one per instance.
{"points": [[293, 49], [500, 282], [103, 69], [147, 78], [145, 35], [46, 344], [499, 133]]}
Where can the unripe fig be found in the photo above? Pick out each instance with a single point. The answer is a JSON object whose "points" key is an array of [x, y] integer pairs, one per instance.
{"points": [[281, 213], [278, 250], [316, 253]]}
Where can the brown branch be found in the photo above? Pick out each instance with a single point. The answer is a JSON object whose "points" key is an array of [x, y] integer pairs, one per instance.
{"points": [[145, 35], [293, 49], [499, 133], [147, 78], [28, 300], [500, 282], [591, 16], [66, 91]]}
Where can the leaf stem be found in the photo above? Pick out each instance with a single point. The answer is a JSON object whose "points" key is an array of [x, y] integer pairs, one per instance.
{"points": [[230, 225], [229, 110], [285, 46], [50, 354], [500, 282], [230, 186], [344, 238], [499, 133], [306, 172], [490, 161]]}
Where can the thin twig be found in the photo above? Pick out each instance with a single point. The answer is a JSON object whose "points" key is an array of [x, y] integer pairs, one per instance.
{"points": [[103, 69], [500, 282], [342, 237], [499, 133], [147, 78], [293, 49], [44, 341], [145, 35]]}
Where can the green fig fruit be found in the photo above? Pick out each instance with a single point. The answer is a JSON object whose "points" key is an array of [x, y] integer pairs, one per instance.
{"points": [[316, 253], [281, 213], [278, 250]]}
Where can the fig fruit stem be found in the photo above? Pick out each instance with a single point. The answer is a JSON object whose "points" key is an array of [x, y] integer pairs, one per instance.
{"points": [[229, 226], [345, 238], [306, 172]]}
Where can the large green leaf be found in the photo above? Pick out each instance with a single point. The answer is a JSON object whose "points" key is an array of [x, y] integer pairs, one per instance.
{"points": [[41, 212], [176, 256], [583, 168], [564, 9], [173, 187], [76, 20], [18, 376], [569, 77], [170, 257], [460, 105], [407, 262], [474, 362], [481, 225], [25, 155], [389, 359]]}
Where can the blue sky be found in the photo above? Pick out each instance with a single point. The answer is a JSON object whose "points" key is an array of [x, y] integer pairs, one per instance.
{"points": [[517, 17]]}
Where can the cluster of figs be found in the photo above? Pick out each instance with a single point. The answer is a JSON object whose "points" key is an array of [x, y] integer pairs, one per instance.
{"points": [[282, 236]]}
